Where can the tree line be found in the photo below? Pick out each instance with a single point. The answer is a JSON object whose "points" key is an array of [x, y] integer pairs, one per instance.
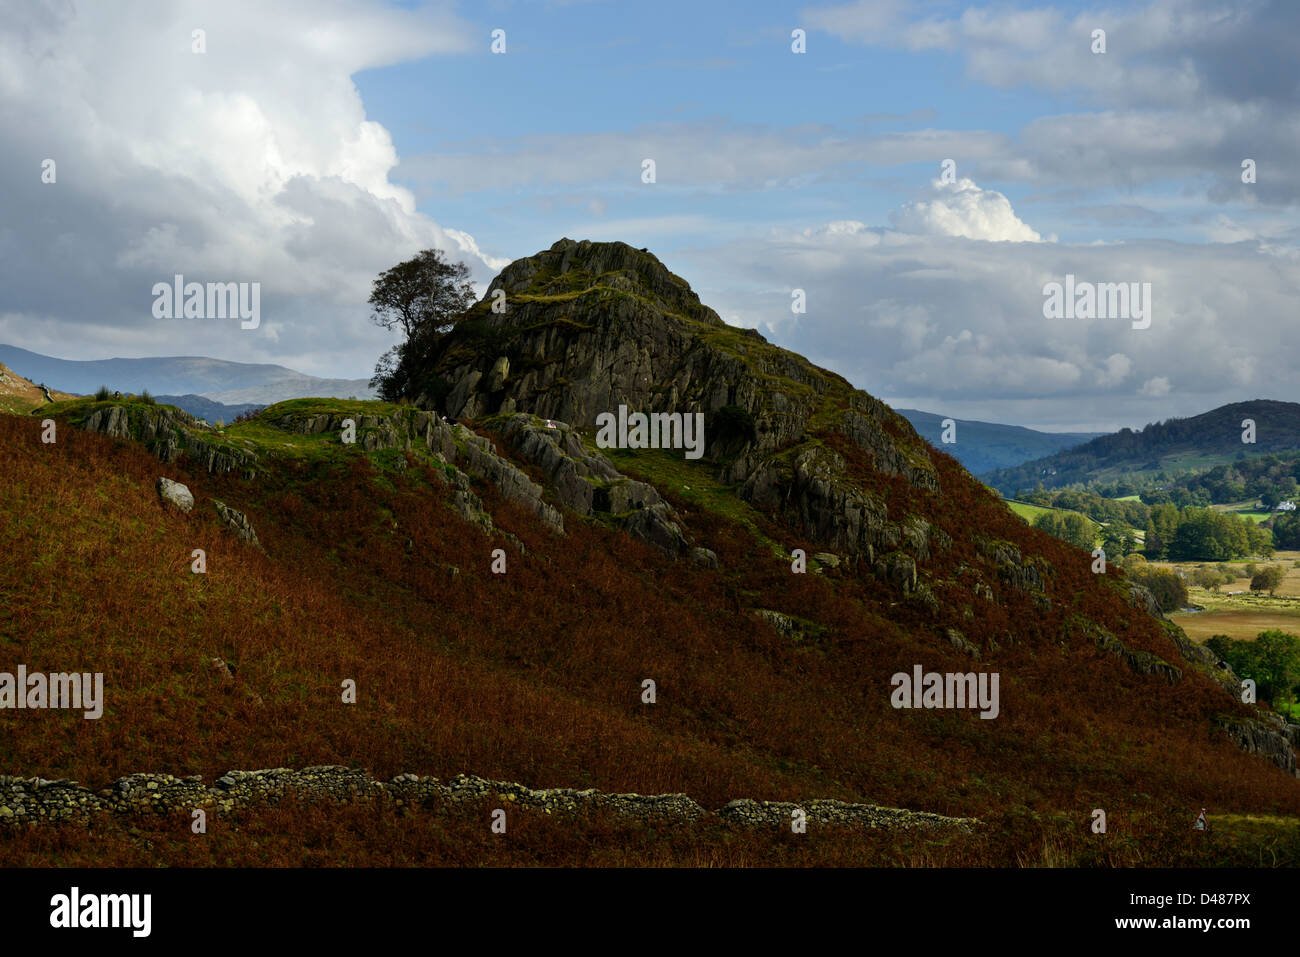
{"points": [[1202, 534]]}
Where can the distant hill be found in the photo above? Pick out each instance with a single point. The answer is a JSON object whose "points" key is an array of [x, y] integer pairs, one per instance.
{"points": [[204, 408], [984, 446], [1196, 443], [232, 383]]}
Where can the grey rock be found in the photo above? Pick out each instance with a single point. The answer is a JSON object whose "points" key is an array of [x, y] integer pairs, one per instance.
{"points": [[237, 522], [705, 557], [962, 643], [176, 494], [1271, 740]]}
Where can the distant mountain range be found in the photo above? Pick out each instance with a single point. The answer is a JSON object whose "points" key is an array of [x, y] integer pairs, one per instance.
{"points": [[205, 408], [984, 446], [227, 383], [1197, 443]]}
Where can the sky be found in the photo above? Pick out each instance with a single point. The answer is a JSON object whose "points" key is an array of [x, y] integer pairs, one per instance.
{"points": [[921, 172]]}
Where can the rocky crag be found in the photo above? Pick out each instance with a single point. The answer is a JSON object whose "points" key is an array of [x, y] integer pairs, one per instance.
{"points": [[592, 326], [510, 399]]}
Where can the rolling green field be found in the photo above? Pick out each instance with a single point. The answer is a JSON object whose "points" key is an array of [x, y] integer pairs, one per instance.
{"points": [[1235, 610], [1031, 512]]}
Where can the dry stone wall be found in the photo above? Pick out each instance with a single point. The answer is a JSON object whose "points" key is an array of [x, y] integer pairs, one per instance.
{"points": [[37, 801]]}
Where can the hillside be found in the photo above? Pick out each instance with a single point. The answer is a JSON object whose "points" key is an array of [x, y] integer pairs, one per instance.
{"points": [[375, 564], [1197, 443], [984, 446], [231, 383], [20, 395]]}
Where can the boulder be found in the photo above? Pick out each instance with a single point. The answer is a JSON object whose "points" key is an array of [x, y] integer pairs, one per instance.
{"points": [[176, 494], [705, 557]]}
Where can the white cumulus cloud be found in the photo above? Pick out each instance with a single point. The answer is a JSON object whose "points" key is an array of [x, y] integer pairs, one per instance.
{"points": [[962, 208], [252, 161]]}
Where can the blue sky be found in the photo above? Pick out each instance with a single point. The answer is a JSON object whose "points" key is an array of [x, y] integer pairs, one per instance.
{"points": [[313, 144], [588, 69]]}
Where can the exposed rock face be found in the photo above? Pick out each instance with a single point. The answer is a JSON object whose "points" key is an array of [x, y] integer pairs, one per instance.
{"points": [[585, 331], [175, 493], [705, 558], [1142, 662], [1203, 659], [1141, 597], [814, 493], [962, 643], [1011, 567], [170, 433], [111, 422], [587, 482], [796, 629], [33, 801], [237, 522], [1273, 739], [582, 481], [591, 326], [480, 458]]}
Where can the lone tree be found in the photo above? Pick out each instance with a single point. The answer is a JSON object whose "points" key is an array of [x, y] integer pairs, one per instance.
{"points": [[1268, 579], [424, 297]]}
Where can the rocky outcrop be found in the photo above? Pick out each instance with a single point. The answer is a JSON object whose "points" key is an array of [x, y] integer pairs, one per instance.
{"points": [[866, 428], [1269, 736], [35, 801], [705, 558], [479, 458], [1139, 596], [591, 326], [1025, 575], [169, 434], [372, 432], [588, 483], [810, 488], [962, 643], [1203, 659], [237, 522], [1140, 661], [788, 626], [112, 422]]}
